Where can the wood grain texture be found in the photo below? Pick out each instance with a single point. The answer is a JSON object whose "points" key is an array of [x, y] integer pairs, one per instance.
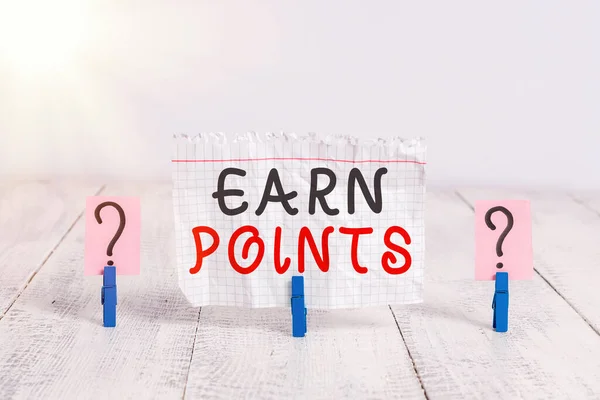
{"points": [[34, 217], [565, 242], [346, 354], [548, 352], [53, 344]]}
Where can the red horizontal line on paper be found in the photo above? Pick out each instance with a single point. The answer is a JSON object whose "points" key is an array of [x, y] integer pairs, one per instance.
{"points": [[300, 159]]}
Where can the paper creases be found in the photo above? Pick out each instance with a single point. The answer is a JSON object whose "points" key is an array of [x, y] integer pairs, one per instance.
{"points": [[413, 144], [252, 210]]}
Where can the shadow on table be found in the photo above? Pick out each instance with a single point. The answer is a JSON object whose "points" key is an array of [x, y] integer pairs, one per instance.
{"points": [[136, 304], [444, 313], [280, 319]]}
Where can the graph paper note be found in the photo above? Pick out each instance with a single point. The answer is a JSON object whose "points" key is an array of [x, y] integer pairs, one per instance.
{"points": [[255, 210]]}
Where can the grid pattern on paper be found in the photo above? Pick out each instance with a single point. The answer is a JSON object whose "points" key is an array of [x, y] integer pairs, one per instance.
{"points": [[196, 169]]}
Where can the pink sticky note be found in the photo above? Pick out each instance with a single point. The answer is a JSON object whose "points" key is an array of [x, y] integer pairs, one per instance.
{"points": [[516, 248], [98, 236]]}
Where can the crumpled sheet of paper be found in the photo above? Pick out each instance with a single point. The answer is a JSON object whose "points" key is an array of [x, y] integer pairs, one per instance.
{"points": [[197, 164]]}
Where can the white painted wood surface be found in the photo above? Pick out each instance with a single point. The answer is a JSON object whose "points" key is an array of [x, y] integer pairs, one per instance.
{"points": [[53, 345], [347, 354], [566, 243], [548, 352], [34, 218]]}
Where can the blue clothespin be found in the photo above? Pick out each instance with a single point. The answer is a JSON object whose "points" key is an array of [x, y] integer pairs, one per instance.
{"points": [[500, 302], [109, 296], [298, 307]]}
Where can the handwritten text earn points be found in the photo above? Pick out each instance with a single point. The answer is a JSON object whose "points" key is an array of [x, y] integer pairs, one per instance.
{"points": [[305, 236]]}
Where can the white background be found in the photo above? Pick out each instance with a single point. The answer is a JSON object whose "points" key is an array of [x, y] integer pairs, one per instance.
{"points": [[506, 93]]}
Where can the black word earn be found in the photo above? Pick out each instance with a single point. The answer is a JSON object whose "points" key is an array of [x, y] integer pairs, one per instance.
{"points": [[274, 182]]}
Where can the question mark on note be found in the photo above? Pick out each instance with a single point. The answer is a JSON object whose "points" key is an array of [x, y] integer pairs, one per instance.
{"points": [[122, 222], [509, 226]]}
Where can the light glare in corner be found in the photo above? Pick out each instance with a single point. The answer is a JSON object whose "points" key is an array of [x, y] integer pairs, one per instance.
{"points": [[41, 36]]}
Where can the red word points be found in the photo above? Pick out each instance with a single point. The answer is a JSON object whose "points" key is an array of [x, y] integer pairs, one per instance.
{"points": [[306, 240]]}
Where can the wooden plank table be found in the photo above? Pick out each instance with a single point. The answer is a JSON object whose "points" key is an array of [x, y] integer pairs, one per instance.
{"points": [[53, 344]]}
